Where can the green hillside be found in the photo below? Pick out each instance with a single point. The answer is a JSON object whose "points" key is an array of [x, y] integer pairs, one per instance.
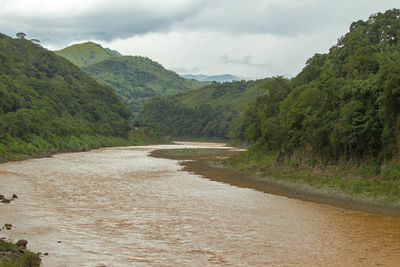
{"points": [[229, 95], [337, 132], [86, 53], [206, 112], [344, 106], [136, 78], [47, 104]]}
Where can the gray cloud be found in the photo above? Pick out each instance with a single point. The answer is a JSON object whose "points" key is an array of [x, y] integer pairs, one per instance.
{"points": [[108, 20], [246, 62], [251, 38], [256, 16], [184, 70], [105, 21], [283, 18]]}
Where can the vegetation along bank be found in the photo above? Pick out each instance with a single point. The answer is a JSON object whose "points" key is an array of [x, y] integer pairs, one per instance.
{"points": [[333, 186], [49, 105], [333, 129]]}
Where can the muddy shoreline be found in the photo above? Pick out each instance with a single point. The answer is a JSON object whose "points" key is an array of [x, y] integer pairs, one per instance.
{"points": [[203, 165]]}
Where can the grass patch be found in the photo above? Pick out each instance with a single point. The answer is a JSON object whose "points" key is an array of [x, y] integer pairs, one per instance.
{"points": [[192, 153], [383, 188], [13, 256]]}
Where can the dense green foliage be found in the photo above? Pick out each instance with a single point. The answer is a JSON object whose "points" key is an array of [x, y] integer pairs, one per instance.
{"points": [[344, 183], [136, 78], [206, 112], [258, 121], [343, 105], [48, 104], [86, 53], [13, 256]]}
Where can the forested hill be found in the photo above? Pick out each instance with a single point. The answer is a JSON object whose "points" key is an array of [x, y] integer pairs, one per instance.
{"points": [[206, 112], [134, 78], [86, 53], [137, 78], [47, 104], [344, 104]]}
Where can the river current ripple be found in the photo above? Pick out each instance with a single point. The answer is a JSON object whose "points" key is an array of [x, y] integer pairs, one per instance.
{"points": [[121, 207]]}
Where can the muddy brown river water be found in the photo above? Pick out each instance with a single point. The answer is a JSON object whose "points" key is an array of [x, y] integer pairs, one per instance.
{"points": [[121, 207]]}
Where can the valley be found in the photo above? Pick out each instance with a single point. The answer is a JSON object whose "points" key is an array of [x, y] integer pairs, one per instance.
{"points": [[311, 175]]}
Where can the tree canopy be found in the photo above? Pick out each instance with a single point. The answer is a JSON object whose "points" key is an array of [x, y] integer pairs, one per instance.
{"points": [[343, 104], [137, 78], [206, 112], [45, 100]]}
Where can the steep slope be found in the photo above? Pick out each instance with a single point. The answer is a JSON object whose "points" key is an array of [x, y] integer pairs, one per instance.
{"points": [[345, 105], [137, 78], [337, 133], [47, 104], [206, 112], [86, 53]]}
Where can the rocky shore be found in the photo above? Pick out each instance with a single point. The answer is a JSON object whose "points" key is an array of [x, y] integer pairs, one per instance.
{"points": [[15, 254]]}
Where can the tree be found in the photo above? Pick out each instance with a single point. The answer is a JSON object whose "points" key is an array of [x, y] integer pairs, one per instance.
{"points": [[21, 35]]}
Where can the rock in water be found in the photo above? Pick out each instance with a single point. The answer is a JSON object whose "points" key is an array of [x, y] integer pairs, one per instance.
{"points": [[22, 243]]}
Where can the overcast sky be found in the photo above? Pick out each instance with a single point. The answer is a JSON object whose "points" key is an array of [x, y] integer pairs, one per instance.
{"points": [[247, 38]]}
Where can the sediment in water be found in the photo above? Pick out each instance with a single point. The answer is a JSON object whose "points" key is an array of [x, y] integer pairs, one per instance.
{"points": [[204, 166]]}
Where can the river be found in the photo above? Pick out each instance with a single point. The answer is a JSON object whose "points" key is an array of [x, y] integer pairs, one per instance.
{"points": [[121, 207]]}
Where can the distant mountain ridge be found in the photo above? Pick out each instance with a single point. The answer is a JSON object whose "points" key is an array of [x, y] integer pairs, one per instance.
{"points": [[211, 78], [87, 53], [134, 78], [206, 112], [137, 78]]}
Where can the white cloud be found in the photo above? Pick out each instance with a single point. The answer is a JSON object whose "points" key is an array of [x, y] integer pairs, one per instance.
{"points": [[251, 38], [251, 56]]}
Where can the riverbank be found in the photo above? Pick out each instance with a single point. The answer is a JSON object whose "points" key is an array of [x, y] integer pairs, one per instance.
{"points": [[12, 149], [16, 149], [119, 206], [338, 188], [15, 255]]}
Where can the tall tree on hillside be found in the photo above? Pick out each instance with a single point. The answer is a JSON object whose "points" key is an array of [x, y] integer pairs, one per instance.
{"points": [[21, 35]]}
